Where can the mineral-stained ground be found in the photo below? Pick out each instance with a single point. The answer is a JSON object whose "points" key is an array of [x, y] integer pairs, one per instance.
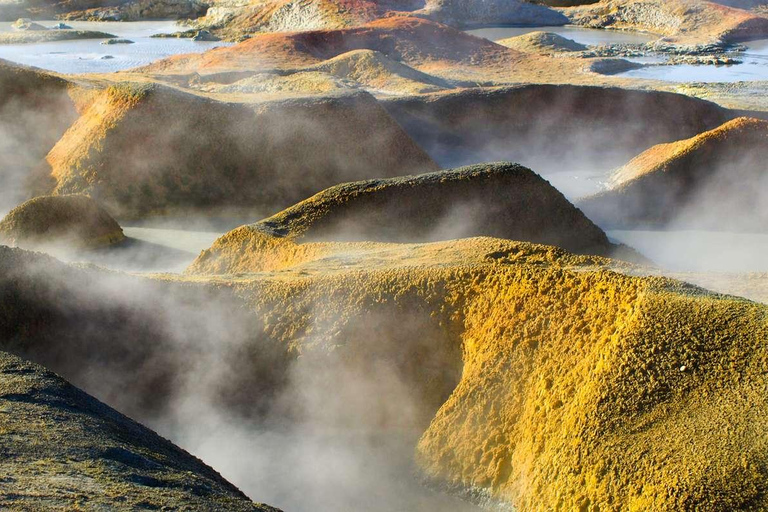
{"points": [[399, 281]]}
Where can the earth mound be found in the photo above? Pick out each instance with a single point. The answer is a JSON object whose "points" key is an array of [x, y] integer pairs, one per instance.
{"points": [[499, 200], [66, 449], [35, 111], [413, 41], [236, 20], [683, 21], [98, 10], [376, 72], [548, 379], [542, 42], [714, 180], [543, 126], [471, 13], [141, 149], [47, 36], [72, 221]]}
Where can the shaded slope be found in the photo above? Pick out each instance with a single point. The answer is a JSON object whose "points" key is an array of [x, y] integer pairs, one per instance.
{"points": [[568, 384], [547, 127], [542, 42], [501, 200], [376, 72], [410, 40], [35, 110], [62, 448], [714, 180], [73, 221], [141, 149]]}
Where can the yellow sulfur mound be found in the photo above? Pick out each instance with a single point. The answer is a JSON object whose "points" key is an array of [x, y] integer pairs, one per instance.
{"points": [[543, 379]]}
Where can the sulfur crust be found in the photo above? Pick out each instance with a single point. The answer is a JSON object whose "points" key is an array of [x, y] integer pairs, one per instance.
{"points": [[579, 387]]}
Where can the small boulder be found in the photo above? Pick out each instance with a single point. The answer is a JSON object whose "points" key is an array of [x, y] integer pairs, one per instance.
{"points": [[204, 35], [69, 222], [117, 41]]}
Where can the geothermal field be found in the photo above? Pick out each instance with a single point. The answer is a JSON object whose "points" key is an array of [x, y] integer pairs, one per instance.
{"points": [[384, 255]]}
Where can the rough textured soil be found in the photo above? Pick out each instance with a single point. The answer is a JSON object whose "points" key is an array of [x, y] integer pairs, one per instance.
{"points": [[684, 21], [72, 221], [711, 181], [547, 380], [63, 449], [500, 200]]}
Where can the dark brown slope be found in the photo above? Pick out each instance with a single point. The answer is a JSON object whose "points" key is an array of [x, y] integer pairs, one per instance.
{"points": [[71, 221], [63, 449], [141, 149], [35, 110]]}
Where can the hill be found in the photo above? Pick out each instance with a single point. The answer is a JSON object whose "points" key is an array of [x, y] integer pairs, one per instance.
{"points": [[65, 449], [141, 149], [535, 377], [682, 21], [499, 200], [711, 181], [35, 110]]}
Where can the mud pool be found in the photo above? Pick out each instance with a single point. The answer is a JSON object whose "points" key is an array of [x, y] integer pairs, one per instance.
{"points": [[90, 56]]}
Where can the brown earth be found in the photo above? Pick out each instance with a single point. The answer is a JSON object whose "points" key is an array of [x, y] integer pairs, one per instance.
{"points": [[682, 21], [711, 181], [35, 110], [548, 126], [64, 449]]}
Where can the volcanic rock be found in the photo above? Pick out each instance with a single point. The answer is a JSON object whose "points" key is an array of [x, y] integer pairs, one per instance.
{"points": [[688, 21], [517, 351], [469, 13], [35, 110], [548, 126], [542, 42]]}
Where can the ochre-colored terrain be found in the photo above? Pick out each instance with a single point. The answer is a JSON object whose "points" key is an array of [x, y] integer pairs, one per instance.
{"points": [[499, 200], [146, 148], [545, 380], [714, 180]]}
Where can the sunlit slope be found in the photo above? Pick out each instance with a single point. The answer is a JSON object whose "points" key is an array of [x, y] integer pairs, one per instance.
{"points": [[148, 148], [557, 382], [63, 449], [502, 200], [714, 180]]}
